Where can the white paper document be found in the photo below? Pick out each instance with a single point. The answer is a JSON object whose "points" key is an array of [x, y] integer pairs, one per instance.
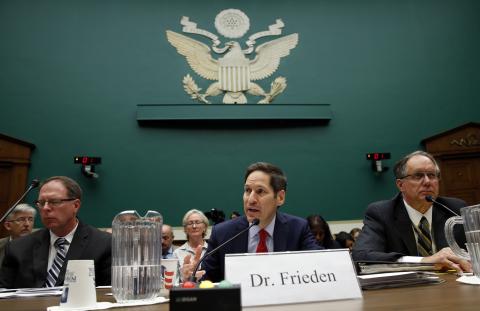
{"points": [[31, 292]]}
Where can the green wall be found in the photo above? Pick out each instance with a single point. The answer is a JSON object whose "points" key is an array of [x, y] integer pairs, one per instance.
{"points": [[72, 73]]}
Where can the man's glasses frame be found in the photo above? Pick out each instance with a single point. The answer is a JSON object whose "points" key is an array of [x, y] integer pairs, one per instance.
{"points": [[418, 176], [22, 220], [53, 202]]}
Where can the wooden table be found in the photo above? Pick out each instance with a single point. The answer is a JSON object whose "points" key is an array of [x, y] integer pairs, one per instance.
{"points": [[449, 295]]}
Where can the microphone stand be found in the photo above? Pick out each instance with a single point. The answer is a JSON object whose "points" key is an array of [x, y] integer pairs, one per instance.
{"points": [[193, 278], [429, 198], [33, 184]]}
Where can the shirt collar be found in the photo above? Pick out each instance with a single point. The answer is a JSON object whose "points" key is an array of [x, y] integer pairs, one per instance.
{"points": [[269, 228], [187, 246], [68, 237], [415, 215]]}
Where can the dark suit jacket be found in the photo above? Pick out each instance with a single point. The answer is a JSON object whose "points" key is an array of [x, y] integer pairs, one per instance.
{"points": [[291, 233], [387, 233], [3, 244], [26, 258]]}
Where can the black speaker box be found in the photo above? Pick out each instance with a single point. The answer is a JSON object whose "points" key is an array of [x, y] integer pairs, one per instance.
{"points": [[212, 299]]}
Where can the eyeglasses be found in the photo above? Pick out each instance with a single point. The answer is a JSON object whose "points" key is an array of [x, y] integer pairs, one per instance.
{"points": [[192, 223], [421, 175], [52, 203], [22, 220]]}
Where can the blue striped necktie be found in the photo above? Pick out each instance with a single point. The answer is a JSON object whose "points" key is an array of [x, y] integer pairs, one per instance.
{"points": [[57, 264]]}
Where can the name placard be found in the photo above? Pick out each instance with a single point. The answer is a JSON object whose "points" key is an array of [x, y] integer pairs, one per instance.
{"points": [[293, 277]]}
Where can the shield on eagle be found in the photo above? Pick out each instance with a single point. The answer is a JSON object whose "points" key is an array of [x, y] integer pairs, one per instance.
{"points": [[234, 76]]}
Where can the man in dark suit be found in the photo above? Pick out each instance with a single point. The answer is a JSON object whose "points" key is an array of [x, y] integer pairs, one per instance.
{"points": [[394, 230], [30, 259], [264, 192]]}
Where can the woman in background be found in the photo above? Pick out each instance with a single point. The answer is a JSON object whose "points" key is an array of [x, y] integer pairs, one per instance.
{"points": [[321, 231], [195, 226]]}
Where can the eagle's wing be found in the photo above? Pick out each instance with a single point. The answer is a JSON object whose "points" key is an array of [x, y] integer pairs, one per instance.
{"points": [[268, 56], [197, 54]]}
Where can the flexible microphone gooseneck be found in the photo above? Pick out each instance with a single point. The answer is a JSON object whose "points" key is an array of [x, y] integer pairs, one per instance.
{"points": [[33, 184], [193, 278], [429, 198]]}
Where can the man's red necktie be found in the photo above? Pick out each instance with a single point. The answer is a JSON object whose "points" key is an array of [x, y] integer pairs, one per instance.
{"points": [[262, 243]]}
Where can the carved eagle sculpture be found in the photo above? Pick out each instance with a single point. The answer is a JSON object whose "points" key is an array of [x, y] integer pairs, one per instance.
{"points": [[234, 72]]}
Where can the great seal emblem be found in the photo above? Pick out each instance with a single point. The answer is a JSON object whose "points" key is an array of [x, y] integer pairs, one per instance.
{"points": [[233, 72]]}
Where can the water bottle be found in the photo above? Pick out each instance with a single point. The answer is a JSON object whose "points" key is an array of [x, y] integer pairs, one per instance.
{"points": [[136, 256]]}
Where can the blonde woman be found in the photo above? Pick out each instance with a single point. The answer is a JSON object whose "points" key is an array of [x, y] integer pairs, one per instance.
{"points": [[195, 225]]}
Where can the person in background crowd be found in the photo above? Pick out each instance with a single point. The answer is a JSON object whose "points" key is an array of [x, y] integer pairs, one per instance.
{"points": [[19, 223], [409, 228], [167, 242], [355, 232], [234, 214], [40, 259], [195, 225], [321, 231], [345, 240]]}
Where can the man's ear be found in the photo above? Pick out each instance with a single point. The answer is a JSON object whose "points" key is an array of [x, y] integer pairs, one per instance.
{"points": [[399, 183], [281, 197], [77, 203], [7, 225]]}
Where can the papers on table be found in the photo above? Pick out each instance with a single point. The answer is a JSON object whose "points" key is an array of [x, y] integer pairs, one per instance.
{"points": [[30, 292], [397, 279], [109, 305], [469, 278], [369, 267]]}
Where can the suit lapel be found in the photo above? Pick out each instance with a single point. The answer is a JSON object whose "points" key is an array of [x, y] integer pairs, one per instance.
{"points": [[241, 246], [41, 250], [404, 227], [280, 234], [78, 242], [438, 227], [75, 250]]}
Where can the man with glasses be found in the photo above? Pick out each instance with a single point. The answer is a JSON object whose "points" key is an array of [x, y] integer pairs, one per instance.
{"points": [[408, 228], [19, 223], [40, 259]]}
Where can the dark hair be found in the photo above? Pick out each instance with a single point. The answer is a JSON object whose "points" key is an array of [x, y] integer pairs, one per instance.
{"points": [[342, 237], [234, 213], [278, 180], [316, 222], [400, 168], [73, 188]]}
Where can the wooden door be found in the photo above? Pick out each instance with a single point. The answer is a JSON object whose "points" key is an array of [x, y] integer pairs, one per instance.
{"points": [[458, 154], [461, 178], [14, 164]]}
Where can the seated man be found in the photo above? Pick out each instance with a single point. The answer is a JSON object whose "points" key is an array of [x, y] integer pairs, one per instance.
{"points": [[18, 223], [40, 259], [264, 192], [408, 228], [167, 242]]}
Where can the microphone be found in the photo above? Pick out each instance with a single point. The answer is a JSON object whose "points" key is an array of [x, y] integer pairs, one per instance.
{"points": [[33, 184], [193, 278], [429, 198]]}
